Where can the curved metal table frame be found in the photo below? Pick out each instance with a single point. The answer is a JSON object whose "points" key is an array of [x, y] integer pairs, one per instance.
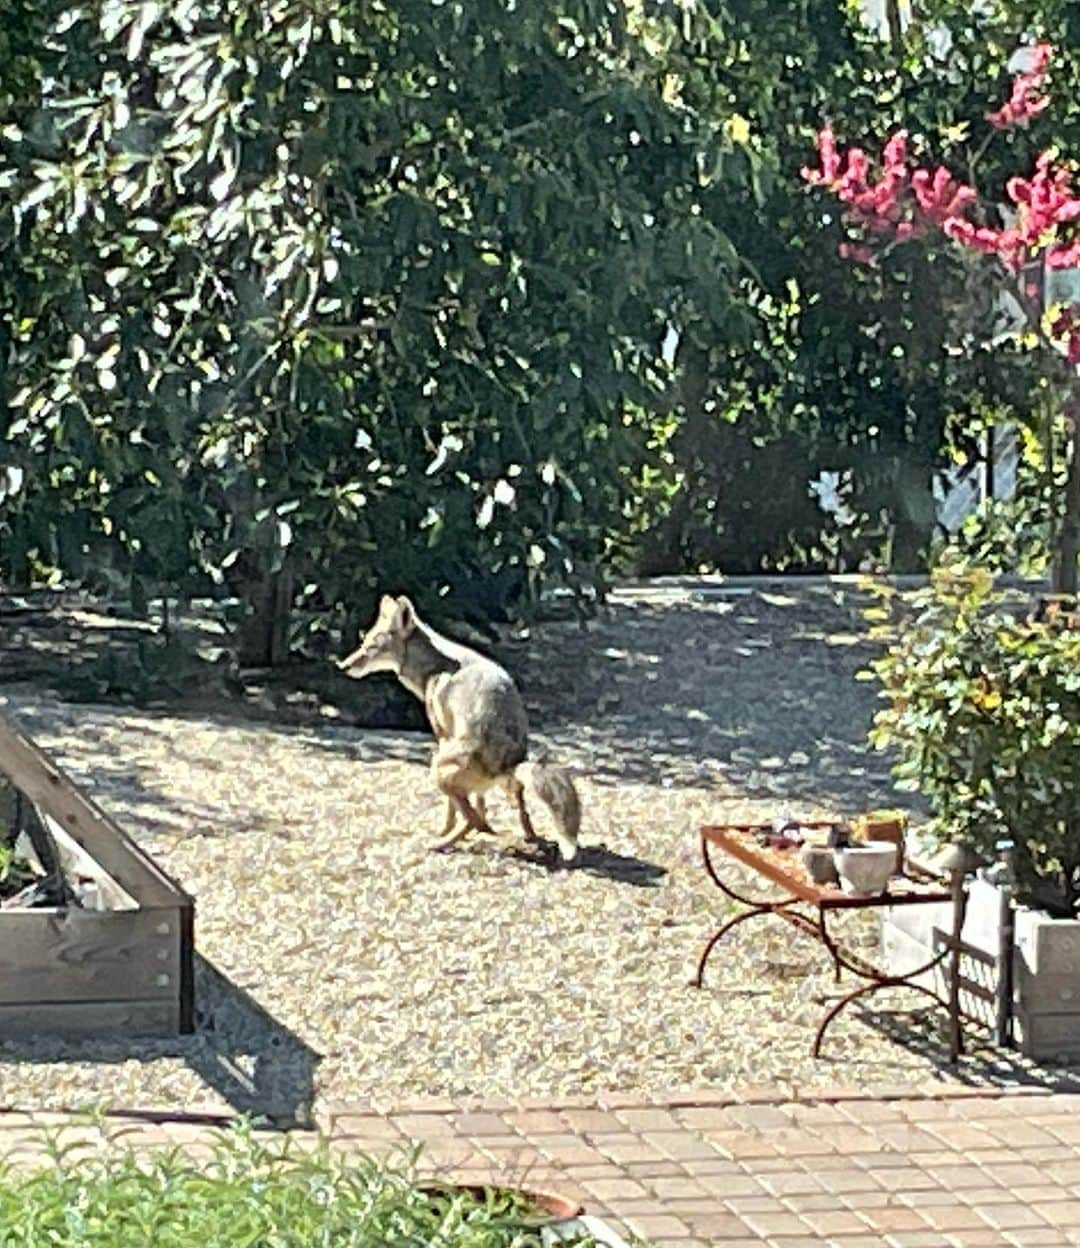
{"points": [[737, 841]]}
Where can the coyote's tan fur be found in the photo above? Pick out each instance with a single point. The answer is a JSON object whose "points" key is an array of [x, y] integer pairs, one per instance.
{"points": [[477, 716]]}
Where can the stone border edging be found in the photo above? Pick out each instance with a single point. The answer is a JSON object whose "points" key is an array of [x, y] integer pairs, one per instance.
{"points": [[676, 1098]]}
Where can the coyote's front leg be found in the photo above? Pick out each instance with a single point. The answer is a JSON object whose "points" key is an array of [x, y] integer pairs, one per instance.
{"points": [[475, 820], [448, 824], [451, 772]]}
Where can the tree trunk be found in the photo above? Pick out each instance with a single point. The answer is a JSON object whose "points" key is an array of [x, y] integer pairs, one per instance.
{"points": [[663, 549], [1065, 570], [895, 23], [263, 637]]}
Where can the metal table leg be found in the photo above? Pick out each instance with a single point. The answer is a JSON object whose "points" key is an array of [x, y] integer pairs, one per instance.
{"points": [[781, 907]]}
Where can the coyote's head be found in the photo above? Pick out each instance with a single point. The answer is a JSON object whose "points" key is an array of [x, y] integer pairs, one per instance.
{"points": [[382, 647]]}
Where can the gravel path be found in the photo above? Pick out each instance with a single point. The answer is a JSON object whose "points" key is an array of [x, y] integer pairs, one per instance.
{"points": [[338, 959]]}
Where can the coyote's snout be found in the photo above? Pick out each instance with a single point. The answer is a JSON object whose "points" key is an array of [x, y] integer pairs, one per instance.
{"points": [[478, 718]]}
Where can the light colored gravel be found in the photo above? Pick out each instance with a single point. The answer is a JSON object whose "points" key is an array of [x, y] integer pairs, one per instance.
{"points": [[340, 960]]}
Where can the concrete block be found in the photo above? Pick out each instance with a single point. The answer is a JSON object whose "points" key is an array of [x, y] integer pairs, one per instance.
{"points": [[1049, 1037], [1048, 946], [1046, 966]]}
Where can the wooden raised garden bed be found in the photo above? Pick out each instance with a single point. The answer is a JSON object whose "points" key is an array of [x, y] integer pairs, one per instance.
{"points": [[101, 944]]}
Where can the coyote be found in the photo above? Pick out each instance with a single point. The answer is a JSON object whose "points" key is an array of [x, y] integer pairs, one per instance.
{"points": [[477, 716]]}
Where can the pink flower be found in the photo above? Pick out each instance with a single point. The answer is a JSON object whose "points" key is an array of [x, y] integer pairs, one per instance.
{"points": [[853, 181], [906, 230], [1018, 110], [940, 196], [960, 230], [878, 206], [1064, 257], [859, 252], [1024, 102], [1072, 351], [894, 153], [1045, 202], [906, 203], [830, 161], [1003, 243]]}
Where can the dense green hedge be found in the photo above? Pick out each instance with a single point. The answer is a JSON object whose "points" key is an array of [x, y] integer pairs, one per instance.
{"points": [[463, 298]]}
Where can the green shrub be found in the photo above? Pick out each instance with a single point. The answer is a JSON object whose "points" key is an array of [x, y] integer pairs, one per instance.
{"points": [[249, 1195], [984, 712]]}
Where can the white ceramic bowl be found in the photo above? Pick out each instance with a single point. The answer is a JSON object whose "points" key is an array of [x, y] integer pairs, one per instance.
{"points": [[866, 869]]}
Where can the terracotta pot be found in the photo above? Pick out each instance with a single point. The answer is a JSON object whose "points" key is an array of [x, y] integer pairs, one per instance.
{"points": [[539, 1206]]}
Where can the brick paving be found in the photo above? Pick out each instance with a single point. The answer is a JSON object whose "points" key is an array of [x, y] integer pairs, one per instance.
{"points": [[953, 1168]]}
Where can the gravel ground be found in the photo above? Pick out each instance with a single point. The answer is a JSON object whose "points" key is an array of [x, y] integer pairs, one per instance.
{"points": [[338, 959]]}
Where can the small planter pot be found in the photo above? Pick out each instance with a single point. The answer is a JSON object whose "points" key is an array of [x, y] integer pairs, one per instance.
{"points": [[540, 1208], [558, 1218], [819, 863]]}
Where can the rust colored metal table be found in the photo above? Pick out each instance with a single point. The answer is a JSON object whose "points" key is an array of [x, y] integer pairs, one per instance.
{"points": [[807, 906]]}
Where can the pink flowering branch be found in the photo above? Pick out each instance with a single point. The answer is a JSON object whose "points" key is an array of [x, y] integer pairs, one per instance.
{"points": [[901, 200], [904, 201], [1024, 100]]}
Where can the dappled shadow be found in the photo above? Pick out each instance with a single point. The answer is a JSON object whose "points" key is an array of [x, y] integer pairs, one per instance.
{"points": [[922, 1030], [122, 778], [254, 1063], [756, 694], [751, 692]]}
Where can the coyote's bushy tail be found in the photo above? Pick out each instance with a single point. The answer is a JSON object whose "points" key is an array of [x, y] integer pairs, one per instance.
{"points": [[554, 787]]}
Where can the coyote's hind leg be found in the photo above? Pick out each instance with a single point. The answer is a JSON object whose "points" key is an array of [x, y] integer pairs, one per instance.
{"points": [[515, 790], [458, 803]]}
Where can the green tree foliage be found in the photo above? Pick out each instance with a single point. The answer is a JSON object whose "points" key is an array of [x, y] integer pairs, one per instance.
{"points": [[462, 297], [371, 292]]}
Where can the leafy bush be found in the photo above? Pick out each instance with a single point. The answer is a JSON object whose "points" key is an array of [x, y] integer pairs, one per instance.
{"points": [[249, 1194], [371, 295], [984, 710]]}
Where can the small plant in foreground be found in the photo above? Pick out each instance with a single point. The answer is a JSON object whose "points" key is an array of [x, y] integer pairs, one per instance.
{"points": [[249, 1195], [984, 712], [14, 871]]}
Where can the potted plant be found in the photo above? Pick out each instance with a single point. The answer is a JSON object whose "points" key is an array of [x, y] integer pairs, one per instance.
{"points": [[257, 1188], [983, 712], [527, 1205]]}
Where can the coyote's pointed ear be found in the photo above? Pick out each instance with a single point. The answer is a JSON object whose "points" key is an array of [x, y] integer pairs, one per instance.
{"points": [[406, 612], [387, 604]]}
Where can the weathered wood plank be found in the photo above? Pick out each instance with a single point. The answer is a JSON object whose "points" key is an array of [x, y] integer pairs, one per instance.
{"points": [[83, 1019], [31, 770], [52, 955]]}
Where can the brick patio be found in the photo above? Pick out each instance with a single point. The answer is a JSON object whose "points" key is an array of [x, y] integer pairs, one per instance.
{"points": [[955, 1168]]}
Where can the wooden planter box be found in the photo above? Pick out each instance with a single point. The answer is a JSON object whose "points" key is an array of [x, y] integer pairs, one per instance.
{"points": [[125, 969]]}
